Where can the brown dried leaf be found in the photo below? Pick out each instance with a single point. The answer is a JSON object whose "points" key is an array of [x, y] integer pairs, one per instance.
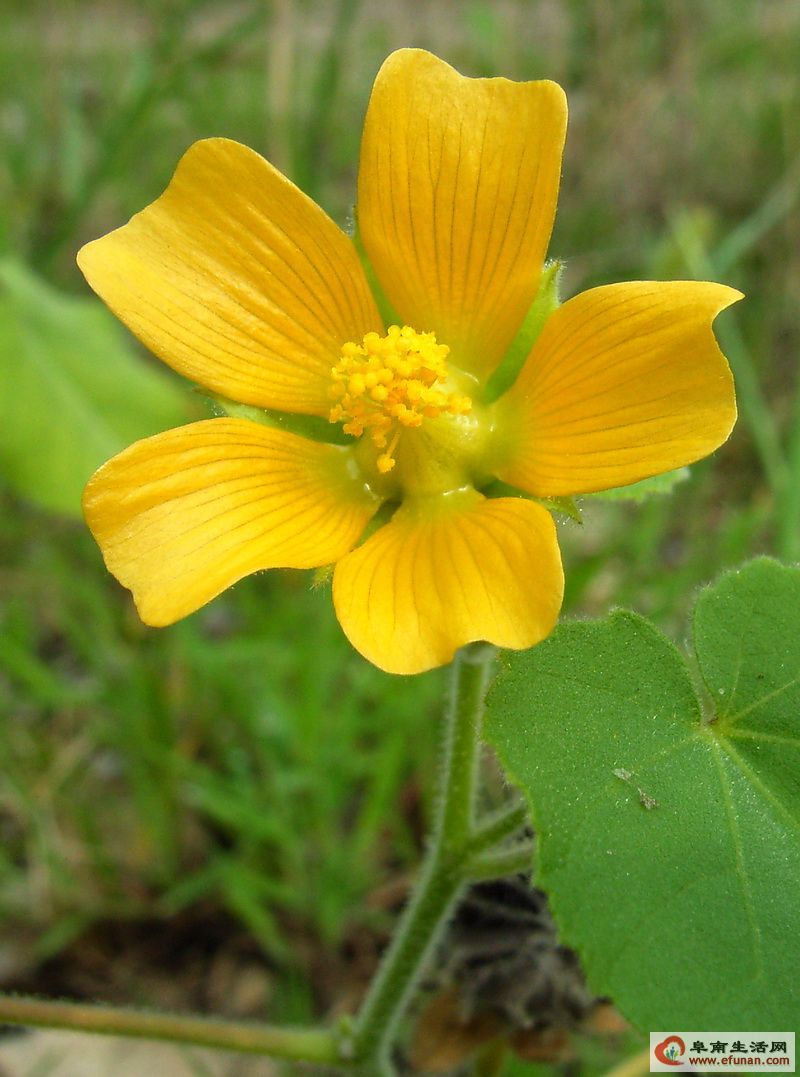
{"points": [[443, 1039]]}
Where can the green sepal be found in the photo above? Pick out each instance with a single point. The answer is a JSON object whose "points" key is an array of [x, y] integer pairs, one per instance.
{"points": [[564, 506], [543, 305], [657, 485], [313, 427], [322, 576]]}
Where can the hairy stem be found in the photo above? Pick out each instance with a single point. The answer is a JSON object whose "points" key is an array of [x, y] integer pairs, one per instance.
{"points": [[443, 870], [300, 1044], [500, 825], [499, 863]]}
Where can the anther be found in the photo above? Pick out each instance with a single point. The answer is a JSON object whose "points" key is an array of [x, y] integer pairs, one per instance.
{"points": [[387, 383]]}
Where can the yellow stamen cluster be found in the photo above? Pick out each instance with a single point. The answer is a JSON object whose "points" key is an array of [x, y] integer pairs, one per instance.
{"points": [[390, 382]]}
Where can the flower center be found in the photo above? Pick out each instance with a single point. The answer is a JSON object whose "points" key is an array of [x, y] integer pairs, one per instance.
{"points": [[386, 384]]}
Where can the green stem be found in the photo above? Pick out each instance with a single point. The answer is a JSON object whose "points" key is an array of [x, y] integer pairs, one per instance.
{"points": [[463, 723], [299, 1044], [443, 869], [498, 826], [499, 863]]}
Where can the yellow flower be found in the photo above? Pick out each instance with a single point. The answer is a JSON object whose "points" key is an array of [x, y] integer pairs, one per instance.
{"points": [[240, 282]]}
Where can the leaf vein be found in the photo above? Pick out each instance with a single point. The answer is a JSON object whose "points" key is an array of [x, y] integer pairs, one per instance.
{"points": [[741, 872]]}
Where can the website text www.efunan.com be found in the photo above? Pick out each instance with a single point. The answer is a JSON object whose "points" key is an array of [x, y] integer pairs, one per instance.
{"points": [[738, 1060]]}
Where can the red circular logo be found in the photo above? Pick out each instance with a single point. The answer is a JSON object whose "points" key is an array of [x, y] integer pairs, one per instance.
{"points": [[670, 1051]]}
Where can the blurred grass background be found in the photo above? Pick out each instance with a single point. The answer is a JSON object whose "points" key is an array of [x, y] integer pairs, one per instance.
{"points": [[246, 762]]}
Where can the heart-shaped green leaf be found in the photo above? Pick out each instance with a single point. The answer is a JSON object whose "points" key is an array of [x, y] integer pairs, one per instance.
{"points": [[668, 815]]}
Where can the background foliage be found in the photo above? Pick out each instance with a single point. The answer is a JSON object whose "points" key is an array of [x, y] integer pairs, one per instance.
{"points": [[236, 759]]}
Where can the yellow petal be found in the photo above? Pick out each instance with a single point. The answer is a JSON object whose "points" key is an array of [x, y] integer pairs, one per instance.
{"points": [[457, 191], [183, 515], [624, 382], [237, 280], [434, 579]]}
